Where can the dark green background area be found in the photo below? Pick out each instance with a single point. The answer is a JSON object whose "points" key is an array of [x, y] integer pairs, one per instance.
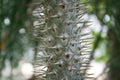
{"points": [[12, 43]]}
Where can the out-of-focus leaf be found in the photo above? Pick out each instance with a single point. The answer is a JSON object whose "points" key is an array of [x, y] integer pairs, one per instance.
{"points": [[102, 58]]}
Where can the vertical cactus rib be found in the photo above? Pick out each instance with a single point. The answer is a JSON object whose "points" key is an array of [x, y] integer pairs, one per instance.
{"points": [[63, 38]]}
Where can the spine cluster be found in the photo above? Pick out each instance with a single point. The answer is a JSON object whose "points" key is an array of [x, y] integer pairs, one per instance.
{"points": [[63, 40]]}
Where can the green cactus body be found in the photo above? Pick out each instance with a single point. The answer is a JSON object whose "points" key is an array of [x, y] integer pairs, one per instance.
{"points": [[64, 43]]}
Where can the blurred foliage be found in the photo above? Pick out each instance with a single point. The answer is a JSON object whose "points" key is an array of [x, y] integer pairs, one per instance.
{"points": [[108, 13], [100, 10], [13, 22]]}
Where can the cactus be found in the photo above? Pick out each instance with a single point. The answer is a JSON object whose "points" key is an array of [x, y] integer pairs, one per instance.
{"points": [[63, 41]]}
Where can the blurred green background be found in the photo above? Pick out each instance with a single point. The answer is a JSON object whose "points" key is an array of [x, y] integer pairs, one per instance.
{"points": [[16, 40]]}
